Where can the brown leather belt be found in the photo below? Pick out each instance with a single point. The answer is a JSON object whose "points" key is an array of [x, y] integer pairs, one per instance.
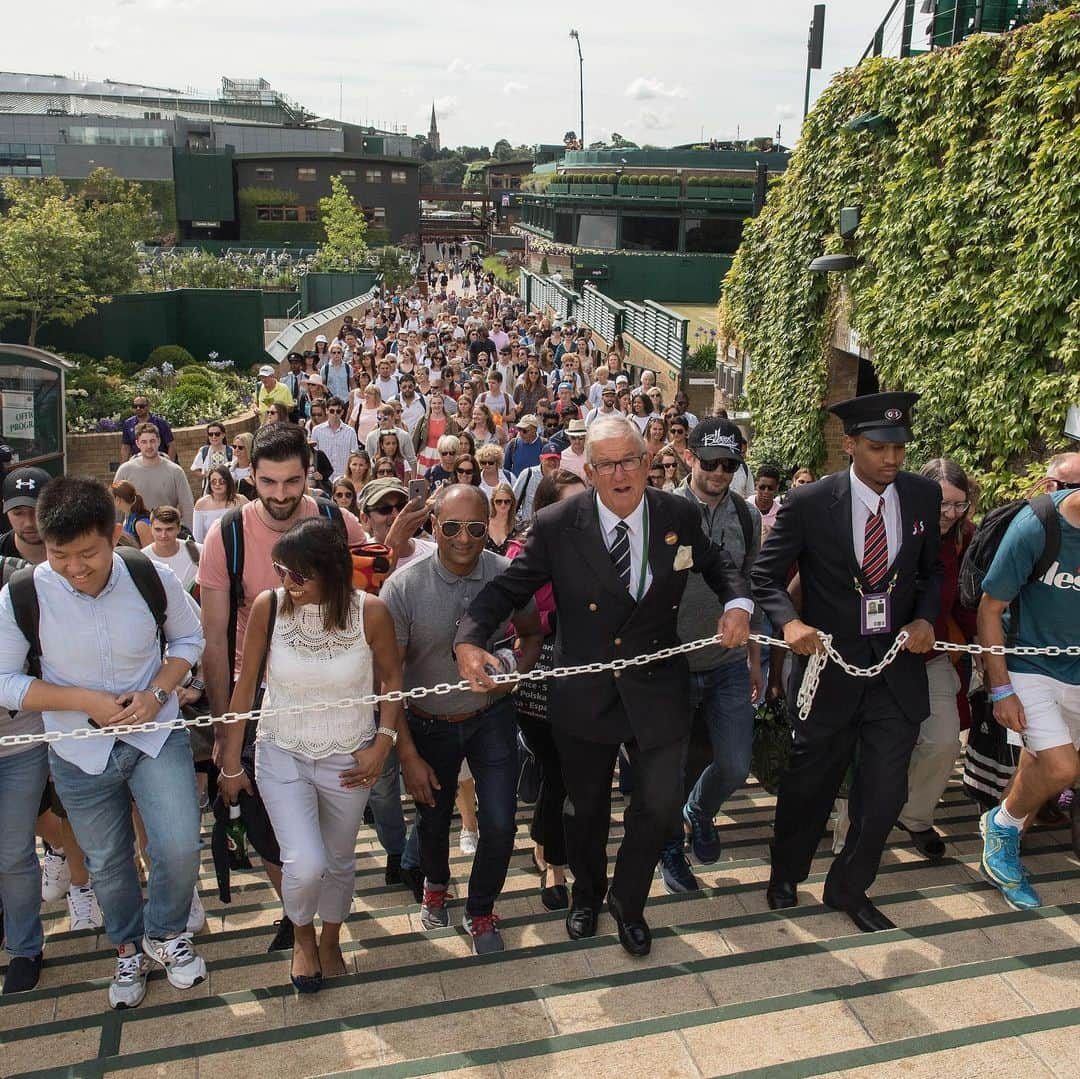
{"points": [[453, 717]]}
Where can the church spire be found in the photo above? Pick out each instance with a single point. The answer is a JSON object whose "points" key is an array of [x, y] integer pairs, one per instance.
{"points": [[433, 132]]}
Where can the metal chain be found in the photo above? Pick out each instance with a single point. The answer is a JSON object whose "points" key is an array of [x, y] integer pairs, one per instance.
{"points": [[811, 679]]}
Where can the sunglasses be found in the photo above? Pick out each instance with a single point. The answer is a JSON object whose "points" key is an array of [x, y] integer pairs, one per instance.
{"points": [[475, 529], [501, 502], [239, 446], [334, 410], [678, 430], [216, 434], [290, 575], [387, 508], [726, 463], [464, 471]]}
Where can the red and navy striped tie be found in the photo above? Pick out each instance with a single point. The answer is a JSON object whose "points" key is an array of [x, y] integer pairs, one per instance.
{"points": [[875, 547]]}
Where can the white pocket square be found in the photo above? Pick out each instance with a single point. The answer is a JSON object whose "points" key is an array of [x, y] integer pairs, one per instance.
{"points": [[684, 558]]}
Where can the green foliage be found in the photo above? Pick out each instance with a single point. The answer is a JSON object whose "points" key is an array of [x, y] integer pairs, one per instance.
{"points": [[346, 228], [628, 181], [175, 355], [266, 196], [118, 215], [703, 358], [968, 288], [96, 390], [544, 271], [193, 401], [505, 271], [396, 266]]}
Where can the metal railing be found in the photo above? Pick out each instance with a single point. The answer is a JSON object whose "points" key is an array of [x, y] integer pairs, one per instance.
{"points": [[283, 344], [659, 329], [905, 30], [600, 312]]}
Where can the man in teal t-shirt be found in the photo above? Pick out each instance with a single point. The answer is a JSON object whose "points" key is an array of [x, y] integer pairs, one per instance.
{"points": [[1036, 696]]}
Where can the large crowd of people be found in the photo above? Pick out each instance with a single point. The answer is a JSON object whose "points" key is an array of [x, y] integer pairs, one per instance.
{"points": [[447, 488]]}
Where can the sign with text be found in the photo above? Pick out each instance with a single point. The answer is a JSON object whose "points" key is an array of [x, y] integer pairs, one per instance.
{"points": [[17, 415]]}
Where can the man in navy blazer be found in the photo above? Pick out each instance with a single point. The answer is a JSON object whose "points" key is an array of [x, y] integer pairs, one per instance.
{"points": [[618, 558], [865, 542]]}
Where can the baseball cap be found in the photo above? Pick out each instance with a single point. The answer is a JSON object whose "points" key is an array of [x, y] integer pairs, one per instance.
{"points": [[550, 450], [322, 338], [376, 490], [22, 487], [622, 380], [528, 421], [715, 438], [266, 371]]}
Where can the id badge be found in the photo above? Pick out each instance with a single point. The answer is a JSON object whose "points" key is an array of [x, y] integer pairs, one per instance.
{"points": [[876, 616]]}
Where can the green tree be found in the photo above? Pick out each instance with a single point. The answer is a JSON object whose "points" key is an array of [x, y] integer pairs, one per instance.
{"points": [[44, 245], [118, 215], [503, 151], [346, 228], [448, 171]]}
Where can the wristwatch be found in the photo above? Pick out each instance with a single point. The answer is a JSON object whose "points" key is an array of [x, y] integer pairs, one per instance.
{"points": [[391, 734], [159, 695]]}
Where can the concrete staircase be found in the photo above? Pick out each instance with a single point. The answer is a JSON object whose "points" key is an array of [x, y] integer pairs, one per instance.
{"points": [[966, 987], [272, 327]]}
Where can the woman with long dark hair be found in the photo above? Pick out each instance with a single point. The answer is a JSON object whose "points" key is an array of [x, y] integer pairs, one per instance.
{"points": [[221, 495], [318, 639], [132, 515]]}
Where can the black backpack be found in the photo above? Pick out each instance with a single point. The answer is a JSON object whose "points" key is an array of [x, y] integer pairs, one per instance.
{"points": [[987, 539], [232, 536], [24, 599]]}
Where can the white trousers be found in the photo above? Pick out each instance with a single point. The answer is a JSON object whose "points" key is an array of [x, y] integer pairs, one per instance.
{"points": [[315, 820]]}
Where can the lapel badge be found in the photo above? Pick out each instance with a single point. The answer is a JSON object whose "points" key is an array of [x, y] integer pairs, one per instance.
{"points": [[917, 529], [671, 539]]}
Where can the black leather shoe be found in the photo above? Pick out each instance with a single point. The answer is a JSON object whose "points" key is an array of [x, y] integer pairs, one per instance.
{"points": [[781, 894], [868, 919], [635, 937], [413, 879], [581, 923], [22, 974], [393, 870], [555, 898], [928, 843]]}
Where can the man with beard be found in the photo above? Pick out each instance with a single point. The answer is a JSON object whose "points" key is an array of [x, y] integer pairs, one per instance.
{"points": [[280, 458], [21, 489]]}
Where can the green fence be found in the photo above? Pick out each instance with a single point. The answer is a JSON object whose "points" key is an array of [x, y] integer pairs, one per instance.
{"points": [[280, 304], [663, 278], [319, 291]]}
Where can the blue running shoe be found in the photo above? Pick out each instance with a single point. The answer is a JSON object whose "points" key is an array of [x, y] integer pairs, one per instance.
{"points": [[704, 838], [1001, 866], [675, 870]]}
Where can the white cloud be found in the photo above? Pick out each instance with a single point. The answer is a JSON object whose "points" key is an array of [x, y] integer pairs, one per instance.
{"points": [[644, 89], [514, 88], [785, 112], [444, 106]]}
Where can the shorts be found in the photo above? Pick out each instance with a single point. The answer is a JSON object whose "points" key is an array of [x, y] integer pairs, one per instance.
{"points": [[1052, 709], [51, 800]]}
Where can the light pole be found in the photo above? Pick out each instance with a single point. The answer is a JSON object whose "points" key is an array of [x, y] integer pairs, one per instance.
{"points": [[581, 86]]}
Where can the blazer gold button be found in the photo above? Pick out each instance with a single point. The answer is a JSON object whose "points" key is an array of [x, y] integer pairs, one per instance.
{"points": [[618, 674], [617, 641], [592, 606]]}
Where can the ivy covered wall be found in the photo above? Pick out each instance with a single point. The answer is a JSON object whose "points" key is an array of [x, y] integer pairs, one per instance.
{"points": [[968, 287]]}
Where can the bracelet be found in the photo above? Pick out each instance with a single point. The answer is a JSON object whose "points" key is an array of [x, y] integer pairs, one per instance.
{"points": [[999, 693], [237, 775]]}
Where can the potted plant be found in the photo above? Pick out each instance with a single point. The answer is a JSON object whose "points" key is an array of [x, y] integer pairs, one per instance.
{"points": [[668, 186], [696, 189], [558, 186], [647, 185], [628, 185], [605, 184]]}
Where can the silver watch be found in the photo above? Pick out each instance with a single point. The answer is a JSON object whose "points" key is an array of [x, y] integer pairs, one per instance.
{"points": [[389, 732], [159, 694]]}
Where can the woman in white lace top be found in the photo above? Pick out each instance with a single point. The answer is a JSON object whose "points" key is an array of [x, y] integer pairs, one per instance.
{"points": [[315, 765]]}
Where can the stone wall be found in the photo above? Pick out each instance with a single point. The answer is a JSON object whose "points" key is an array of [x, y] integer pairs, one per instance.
{"points": [[98, 455]]}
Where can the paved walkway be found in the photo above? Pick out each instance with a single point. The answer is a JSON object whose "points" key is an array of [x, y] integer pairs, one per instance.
{"points": [[966, 987]]}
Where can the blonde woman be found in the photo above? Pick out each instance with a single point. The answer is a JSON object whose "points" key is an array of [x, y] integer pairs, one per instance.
{"points": [[364, 411], [490, 459], [501, 527]]}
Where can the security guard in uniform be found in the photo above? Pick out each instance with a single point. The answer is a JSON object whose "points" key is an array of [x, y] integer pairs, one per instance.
{"points": [[865, 542]]}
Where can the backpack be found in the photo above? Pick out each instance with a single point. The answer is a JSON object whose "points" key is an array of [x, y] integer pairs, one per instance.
{"points": [[24, 600], [232, 537], [746, 521], [987, 539]]}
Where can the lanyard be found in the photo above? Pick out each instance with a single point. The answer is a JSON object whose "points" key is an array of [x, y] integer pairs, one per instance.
{"points": [[644, 556]]}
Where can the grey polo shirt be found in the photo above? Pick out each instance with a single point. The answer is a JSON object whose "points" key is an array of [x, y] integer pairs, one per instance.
{"points": [[427, 602], [700, 610]]}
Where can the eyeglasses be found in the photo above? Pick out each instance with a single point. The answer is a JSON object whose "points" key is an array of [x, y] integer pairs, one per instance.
{"points": [[726, 463], [475, 529], [386, 508], [501, 502], [628, 464], [216, 434], [346, 495], [464, 472], [956, 507], [284, 573], [671, 464], [334, 410], [239, 446], [678, 430]]}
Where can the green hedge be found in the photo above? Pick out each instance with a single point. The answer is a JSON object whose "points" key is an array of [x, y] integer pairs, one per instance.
{"points": [[968, 288]]}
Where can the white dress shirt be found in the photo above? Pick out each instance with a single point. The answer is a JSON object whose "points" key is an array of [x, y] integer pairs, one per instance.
{"points": [[864, 504], [338, 443]]}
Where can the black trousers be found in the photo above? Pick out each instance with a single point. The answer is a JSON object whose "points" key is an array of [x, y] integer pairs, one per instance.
{"points": [[880, 738], [547, 824], [587, 772]]}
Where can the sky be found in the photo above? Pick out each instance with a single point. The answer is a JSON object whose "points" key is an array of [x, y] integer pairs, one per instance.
{"points": [[663, 73]]}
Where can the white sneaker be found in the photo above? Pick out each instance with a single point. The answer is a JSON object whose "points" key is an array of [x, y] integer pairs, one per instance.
{"points": [[83, 909], [196, 918], [182, 966], [128, 986], [55, 876], [468, 841]]}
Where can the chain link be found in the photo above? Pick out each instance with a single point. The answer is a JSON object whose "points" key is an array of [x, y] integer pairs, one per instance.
{"points": [[811, 679]]}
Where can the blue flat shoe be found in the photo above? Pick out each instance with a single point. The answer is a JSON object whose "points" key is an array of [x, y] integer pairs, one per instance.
{"points": [[307, 983]]}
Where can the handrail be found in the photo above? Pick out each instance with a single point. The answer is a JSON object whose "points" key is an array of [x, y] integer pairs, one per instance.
{"points": [[282, 345]]}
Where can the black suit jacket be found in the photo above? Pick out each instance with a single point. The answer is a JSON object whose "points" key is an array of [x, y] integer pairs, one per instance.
{"points": [[813, 529], [598, 620]]}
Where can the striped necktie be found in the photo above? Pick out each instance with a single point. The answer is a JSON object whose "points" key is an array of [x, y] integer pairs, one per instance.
{"points": [[620, 553], [875, 547]]}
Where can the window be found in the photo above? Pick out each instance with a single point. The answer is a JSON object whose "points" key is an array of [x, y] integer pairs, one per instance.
{"points": [[348, 176], [650, 233], [713, 234], [284, 213], [373, 176], [119, 136], [398, 176], [265, 173], [27, 159], [292, 213], [306, 175], [596, 230], [151, 115]]}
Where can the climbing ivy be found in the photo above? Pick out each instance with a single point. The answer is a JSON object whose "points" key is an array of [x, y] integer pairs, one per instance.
{"points": [[968, 286]]}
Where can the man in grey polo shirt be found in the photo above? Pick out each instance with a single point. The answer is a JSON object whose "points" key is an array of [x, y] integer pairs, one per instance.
{"points": [[722, 680], [427, 600]]}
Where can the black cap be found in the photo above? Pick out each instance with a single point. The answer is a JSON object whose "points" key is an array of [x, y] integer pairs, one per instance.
{"points": [[883, 417], [715, 438], [22, 487]]}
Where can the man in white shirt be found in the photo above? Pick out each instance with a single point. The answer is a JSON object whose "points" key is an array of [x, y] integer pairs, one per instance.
{"points": [[412, 404], [573, 458], [386, 423], [606, 406], [387, 382], [335, 439], [181, 558]]}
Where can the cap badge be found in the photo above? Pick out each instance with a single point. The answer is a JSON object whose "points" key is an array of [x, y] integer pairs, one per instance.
{"points": [[893, 414], [28, 484], [715, 440]]}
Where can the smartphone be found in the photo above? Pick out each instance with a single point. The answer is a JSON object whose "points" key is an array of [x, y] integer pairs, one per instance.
{"points": [[419, 489]]}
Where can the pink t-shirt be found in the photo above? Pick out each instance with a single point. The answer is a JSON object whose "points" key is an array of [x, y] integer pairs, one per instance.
{"points": [[259, 572]]}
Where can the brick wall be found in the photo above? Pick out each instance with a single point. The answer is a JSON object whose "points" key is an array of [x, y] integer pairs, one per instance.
{"points": [[98, 455], [842, 381]]}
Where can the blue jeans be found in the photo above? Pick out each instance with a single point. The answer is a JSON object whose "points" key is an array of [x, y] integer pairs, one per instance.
{"points": [[489, 743], [22, 779], [723, 695], [99, 808], [385, 802]]}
